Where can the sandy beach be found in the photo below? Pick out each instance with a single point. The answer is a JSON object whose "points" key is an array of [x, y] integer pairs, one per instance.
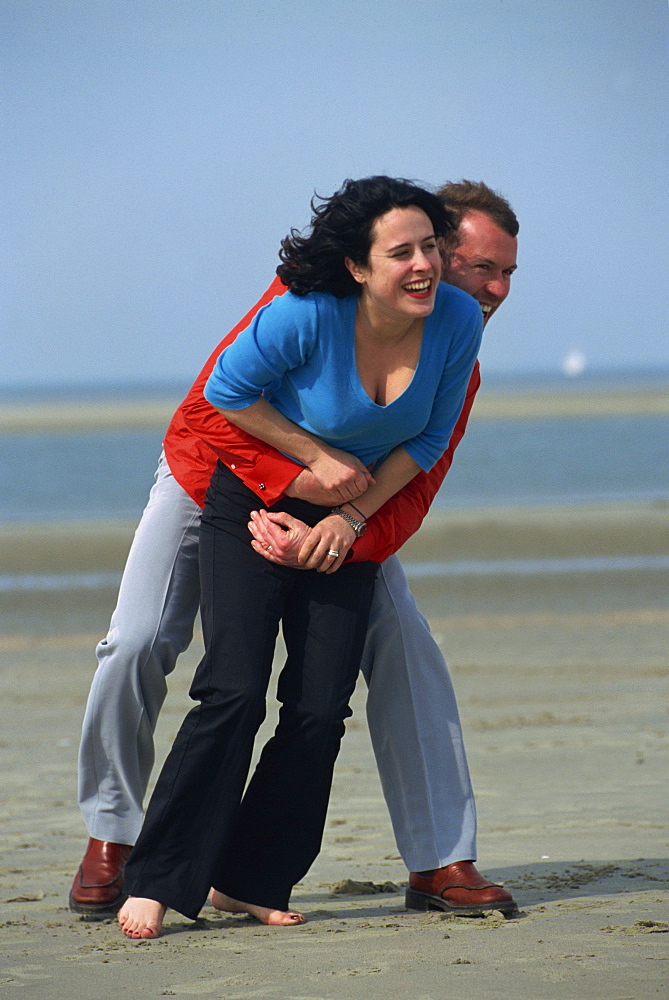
{"points": [[89, 415], [562, 680]]}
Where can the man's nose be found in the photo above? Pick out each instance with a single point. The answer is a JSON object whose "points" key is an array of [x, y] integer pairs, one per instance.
{"points": [[497, 287]]}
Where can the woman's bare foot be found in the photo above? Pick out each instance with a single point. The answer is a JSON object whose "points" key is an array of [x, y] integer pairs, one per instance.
{"points": [[262, 913], [141, 918]]}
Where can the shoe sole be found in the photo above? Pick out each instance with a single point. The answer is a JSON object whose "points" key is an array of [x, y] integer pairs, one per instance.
{"points": [[97, 911], [416, 900]]}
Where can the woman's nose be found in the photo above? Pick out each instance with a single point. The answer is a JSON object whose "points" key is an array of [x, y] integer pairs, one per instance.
{"points": [[421, 262]]}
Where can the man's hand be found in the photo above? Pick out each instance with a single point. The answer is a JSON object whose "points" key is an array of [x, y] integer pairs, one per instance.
{"points": [[341, 473], [305, 486], [283, 539], [278, 537]]}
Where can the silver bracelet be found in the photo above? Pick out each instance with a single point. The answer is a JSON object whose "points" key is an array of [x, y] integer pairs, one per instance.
{"points": [[358, 526]]}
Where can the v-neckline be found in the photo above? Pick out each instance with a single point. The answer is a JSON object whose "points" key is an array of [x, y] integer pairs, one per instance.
{"points": [[411, 381]]}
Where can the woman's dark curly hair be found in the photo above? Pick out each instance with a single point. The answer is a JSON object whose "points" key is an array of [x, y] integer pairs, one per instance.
{"points": [[341, 227]]}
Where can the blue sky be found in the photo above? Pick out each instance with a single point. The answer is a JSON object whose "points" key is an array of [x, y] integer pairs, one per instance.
{"points": [[155, 153]]}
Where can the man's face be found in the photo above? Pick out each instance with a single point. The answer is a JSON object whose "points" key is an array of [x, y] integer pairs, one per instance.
{"points": [[483, 262]]}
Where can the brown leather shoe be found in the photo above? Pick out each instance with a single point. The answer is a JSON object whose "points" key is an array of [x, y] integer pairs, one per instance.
{"points": [[458, 888], [97, 890]]}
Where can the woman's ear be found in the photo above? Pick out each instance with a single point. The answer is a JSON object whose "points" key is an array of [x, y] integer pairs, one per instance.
{"points": [[357, 271]]}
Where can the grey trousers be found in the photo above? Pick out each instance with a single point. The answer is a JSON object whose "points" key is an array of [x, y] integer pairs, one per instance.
{"points": [[411, 707]]}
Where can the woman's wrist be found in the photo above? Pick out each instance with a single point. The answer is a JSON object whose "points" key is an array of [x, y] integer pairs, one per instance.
{"points": [[358, 526], [347, 503], [349, 533]]}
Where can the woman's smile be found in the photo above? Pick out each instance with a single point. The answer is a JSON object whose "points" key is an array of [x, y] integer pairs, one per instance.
{"points": [[401, 277], [419, 289]]}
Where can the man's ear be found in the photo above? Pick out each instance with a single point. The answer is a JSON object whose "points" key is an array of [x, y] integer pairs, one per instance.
{"points": [[446, 248], [357, 271]]}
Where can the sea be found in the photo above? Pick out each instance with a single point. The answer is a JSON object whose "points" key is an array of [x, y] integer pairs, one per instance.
{"points": [[75, 476]]}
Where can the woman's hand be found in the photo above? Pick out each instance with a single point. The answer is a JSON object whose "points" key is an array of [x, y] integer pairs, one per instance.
{"points": [[332, 534], [283, 539]]}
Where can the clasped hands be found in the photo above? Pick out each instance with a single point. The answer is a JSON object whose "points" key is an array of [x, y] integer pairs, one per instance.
{"points": [[285, 540]]}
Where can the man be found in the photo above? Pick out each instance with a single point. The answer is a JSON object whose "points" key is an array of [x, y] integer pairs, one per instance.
{"points": [[426, 782]]}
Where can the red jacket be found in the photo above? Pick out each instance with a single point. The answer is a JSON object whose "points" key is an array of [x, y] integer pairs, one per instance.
{"points": [[198, 436]]}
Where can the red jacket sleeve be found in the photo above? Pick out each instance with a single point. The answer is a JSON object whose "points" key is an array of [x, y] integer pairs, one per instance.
{"points": [[198, 435], [402, 515]]}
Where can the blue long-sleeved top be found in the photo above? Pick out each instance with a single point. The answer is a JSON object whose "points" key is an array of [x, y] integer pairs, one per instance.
{"points": [[299, 353]]}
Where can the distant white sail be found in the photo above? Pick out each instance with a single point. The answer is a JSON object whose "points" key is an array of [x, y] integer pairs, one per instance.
{"points": [[574, 363]]}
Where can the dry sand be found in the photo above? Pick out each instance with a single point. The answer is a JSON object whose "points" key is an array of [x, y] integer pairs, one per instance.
{"points": [[562, 682]]}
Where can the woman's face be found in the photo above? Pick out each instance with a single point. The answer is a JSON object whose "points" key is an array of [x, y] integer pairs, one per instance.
{"points": [[404, 267]]}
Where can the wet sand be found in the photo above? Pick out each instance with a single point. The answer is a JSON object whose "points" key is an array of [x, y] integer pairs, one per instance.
{"points": [[569, 401], [562, 682]]}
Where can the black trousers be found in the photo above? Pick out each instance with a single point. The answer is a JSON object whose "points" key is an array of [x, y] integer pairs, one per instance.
{"points": [[202, 828]]}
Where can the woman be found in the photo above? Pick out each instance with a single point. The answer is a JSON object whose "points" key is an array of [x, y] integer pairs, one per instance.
{"points": [[365, 365]]}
